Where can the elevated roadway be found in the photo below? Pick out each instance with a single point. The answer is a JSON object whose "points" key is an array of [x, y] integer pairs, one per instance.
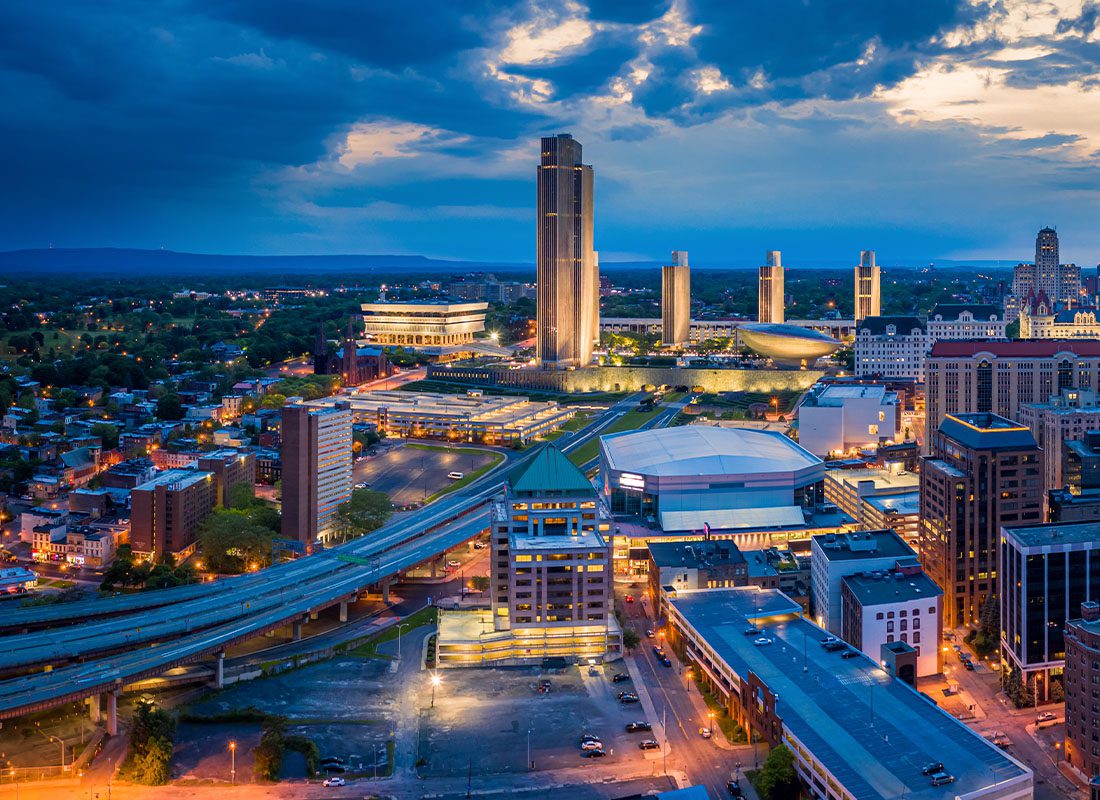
{"points": [[162, 635]]}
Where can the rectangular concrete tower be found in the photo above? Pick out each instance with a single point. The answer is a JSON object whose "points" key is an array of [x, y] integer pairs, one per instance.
{"points": [[676, 300], [769, 307], [868, 288], [568, 283]]}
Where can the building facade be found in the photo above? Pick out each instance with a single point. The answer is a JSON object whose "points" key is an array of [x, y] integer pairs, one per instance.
{"points": [[877, 498], [770, 289], [836, 418], [231, 468], [891, 347], [901, 604], [437, 328], [1082, 674], [984, 472], [166, 512], [999, 377], [552, 583], [966, 321], [676, 300], [868, 294], [316, 469], [1068, 416], [834, 557], [568, 312], [1047, 571]]}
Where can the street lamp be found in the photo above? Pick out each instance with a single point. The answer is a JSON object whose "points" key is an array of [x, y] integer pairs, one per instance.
{"points": [[435, 682], [232, 761], [399, 627]]}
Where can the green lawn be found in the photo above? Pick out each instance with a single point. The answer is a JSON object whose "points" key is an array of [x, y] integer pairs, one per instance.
{"points": [[368, 648], [630, 421]]}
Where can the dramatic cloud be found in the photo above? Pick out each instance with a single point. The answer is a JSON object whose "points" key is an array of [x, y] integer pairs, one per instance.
{"points": [[923, 129]]}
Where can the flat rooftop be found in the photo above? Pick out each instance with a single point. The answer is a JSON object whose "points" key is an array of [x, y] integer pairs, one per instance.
{"points": [[883, 479], [891, 587], [698, 450], [587, 541], [906, 504], [1054, 534], [872, 732], [867, 544], [182, 477]]}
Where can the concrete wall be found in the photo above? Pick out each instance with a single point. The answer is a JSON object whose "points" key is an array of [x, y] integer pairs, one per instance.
{"points": [[629, 379]]}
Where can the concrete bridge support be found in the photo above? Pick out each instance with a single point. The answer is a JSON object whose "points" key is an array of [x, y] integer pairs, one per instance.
{"points": [[219, 670], [95, 712], [112, 713], [296, 630], [343, 610], [386, 591]]}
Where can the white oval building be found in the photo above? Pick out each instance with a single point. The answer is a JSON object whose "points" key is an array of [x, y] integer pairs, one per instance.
{"points": [[790, 345], [698, 473]]}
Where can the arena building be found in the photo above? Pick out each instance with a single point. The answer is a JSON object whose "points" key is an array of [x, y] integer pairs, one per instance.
{"points": [[694, 475]]}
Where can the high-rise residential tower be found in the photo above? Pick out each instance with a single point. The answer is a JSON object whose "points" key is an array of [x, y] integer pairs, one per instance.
{"points": [[770, 301], [676, 300], [316, 455], [567, 273], [868, 290]]}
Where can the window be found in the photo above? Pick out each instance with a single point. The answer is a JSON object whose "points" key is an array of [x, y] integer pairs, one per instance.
{"points": [[878, 615], [890, 629], [916, 637], [889, 639]]}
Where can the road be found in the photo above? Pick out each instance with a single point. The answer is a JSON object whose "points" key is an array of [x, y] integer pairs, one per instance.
{"points": [[997, 713], [245, 607], [675, 700]]}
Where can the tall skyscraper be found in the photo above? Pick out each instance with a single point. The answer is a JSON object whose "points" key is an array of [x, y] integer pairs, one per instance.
{"points": [[676, 300], [1061, 283], [868, 290], [1046, 262], [769, 307], [984, 472], [567, 273], [316, 469]]}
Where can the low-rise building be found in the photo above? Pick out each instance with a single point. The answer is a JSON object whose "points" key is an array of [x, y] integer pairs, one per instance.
{"points": [[896, 605], [696, 565], [1081, 676], [1066, 506], [966, 321], [891, 347], [442, 330], [231, 468], [856, 729], [877, 498], [832, 558], [834, 419]]}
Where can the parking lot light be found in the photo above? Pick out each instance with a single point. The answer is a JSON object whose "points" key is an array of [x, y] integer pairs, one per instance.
{"points": [[435, 682]]}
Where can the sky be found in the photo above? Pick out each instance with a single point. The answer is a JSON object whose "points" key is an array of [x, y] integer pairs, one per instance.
{"points": [[928, 129]]}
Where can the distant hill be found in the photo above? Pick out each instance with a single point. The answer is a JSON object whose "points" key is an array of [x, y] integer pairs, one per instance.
{"points": [[121, 261], [114, 262]]}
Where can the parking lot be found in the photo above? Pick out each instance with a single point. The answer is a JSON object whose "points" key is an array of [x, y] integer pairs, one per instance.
{"points": [[482, 718], [409, 475]]}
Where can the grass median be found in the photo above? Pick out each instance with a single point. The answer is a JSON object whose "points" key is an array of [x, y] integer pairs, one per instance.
{"points": [[630, 421]]}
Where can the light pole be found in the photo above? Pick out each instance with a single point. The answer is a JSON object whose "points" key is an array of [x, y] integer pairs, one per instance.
{"points": [[38, 727], [435, 682], [232, 761], [399, 627], [529, 765]]}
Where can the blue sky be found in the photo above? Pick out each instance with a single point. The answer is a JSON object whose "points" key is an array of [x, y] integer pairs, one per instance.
{"points": [[930, 129]]}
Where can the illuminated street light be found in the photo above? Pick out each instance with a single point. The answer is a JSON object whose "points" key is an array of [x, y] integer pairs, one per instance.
{"points": [[435, 682], [232, 761]]}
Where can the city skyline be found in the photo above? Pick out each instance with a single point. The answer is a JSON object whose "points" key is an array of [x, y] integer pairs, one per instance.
{"points": [[945, 131]]}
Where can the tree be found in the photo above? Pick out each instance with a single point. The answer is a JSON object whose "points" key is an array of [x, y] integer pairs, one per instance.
{"points": [[777, 779], [151, 733], [232, 541], [479, 583], [631, 638], [170, 407], [364, 512], [107, 433]]}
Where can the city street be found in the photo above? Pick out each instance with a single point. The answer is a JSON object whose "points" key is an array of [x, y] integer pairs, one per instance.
{"points": [[677, 703]]}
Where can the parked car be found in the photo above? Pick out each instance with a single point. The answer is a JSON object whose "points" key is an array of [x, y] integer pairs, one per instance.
{"points": [[763, 640], [658, 650], [734, 788], [335, 780], [453, 563], [752, 630], [455, 476], [619, 677], [832, 647], [666, 661], [932, 768], [828, 640], [480, 545], [649, 633], [850, 653], [628, 698], [706, 733], [589, 737], [969, 665], [648, 744], [592, 744], [1045, 719], [593, 754], [941, 779], [634, 727]]}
